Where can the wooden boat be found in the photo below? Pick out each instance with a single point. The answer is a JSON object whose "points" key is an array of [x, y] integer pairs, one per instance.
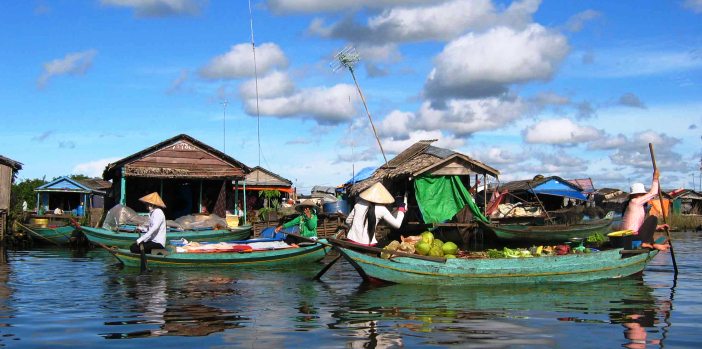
{"points": [[548, 233], [410, 269], [58, 234], [124, 239], [306, 253]]}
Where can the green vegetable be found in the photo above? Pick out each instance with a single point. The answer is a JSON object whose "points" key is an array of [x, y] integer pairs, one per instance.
{"points": [[449, 248]]}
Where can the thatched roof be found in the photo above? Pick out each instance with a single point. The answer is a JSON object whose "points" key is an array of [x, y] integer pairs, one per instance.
{"points": [[420, 158], [16, 166]]}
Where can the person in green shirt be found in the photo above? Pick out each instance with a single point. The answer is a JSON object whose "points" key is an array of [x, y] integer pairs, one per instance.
{"points": [[307, 221]]}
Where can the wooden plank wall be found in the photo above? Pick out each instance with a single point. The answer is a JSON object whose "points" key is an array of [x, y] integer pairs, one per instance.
{"points": [[187, 157]]}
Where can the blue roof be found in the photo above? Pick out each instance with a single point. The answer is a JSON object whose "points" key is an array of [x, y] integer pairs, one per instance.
{"points": [[64, 184], [361, 175], [556, 187]]}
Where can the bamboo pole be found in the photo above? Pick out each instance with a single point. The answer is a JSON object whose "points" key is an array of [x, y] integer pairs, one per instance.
{"points": [[660, 198]]}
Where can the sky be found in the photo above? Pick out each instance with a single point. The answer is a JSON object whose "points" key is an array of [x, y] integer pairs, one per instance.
{"points": [[576, 89]]}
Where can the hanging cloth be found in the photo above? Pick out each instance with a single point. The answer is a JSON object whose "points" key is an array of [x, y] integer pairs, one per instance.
{"points": [[441, 197]]}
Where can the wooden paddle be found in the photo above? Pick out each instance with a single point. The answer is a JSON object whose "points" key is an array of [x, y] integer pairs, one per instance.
{"points": [[660, 197], [326, 267], [109, 249]]}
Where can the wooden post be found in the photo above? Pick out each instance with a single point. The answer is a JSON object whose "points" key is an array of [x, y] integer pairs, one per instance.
{"points": [[199, 205], [245, 219], [123, 189]]}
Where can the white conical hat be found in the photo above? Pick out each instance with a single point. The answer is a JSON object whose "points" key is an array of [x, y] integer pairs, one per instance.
{"points": [[153, 199], [377, 194]]}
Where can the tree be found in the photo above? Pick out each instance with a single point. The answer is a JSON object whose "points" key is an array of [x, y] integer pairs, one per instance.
{"points": [[24, 191]]}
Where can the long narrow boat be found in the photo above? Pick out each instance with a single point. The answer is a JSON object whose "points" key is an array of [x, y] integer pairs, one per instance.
{"points": [[548, 233], [304, 254], [405, 269], [52, 233], [125, 238]]}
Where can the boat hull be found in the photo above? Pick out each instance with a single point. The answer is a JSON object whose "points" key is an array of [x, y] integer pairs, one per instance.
{"points": [[547, 233], [56, 235], [125, 239], [566, 268], [281, 257]]}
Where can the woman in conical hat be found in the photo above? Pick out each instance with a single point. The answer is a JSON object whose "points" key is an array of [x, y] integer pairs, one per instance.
{"points": [[154, 236], [369, 210], [307, 221]]}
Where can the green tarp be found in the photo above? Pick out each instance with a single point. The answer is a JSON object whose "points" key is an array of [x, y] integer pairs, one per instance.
{"points": [[441, 197]]}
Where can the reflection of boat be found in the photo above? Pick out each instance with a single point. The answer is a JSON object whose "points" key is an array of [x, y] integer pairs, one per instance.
{"points": [[565, 268], [125, 238], [550, 232], [57, 232], [306, 253]]}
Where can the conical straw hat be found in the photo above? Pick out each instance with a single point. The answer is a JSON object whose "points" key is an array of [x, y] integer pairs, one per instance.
{"points": [[377, 194], [307, 203], [153, 199]]}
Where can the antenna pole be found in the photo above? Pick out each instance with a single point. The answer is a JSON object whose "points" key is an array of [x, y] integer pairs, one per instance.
{"points": [[375, 133], [258, 114], [224, 127]]}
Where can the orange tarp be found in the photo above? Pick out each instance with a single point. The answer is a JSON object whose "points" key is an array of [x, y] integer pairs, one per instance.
{"points": [[656, 207]]}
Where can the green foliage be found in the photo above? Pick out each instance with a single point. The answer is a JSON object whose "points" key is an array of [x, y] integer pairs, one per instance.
{"points": [[24, 191], [683, 222], [270, 197]]}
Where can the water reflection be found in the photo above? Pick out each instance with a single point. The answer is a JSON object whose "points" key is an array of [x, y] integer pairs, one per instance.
{"points": [[173, 306], [492, 316]]}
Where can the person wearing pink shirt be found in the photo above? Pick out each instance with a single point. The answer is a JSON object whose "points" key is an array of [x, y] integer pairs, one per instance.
{"points": [[635, 214]]}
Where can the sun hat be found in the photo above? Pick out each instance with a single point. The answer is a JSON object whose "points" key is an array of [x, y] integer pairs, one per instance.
{"points": [[377, 194], [153, 199], [637, 188], [307, 203]]}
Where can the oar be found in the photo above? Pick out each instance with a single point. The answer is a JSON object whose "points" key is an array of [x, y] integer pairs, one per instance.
{"points": [[660, 197], [326, 267], [109, 249], [34, 233]]}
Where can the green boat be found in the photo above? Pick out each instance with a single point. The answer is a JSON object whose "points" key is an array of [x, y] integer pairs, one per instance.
{"points": [[410, 269], [124, 239], [52, 233], [306, 253], [554, 233]]}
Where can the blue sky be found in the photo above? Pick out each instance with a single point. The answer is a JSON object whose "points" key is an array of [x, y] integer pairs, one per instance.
{"points": [[570, 88]]}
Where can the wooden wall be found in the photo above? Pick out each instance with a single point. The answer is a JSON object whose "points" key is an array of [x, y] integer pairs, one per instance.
{"points": [[5, 188]]}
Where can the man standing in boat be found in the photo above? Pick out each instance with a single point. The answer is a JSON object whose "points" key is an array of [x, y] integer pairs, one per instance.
{"points": [[369, 210], [154, 236]]}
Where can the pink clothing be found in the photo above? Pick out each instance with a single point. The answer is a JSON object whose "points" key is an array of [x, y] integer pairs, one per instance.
{"points": [[635, 213]]}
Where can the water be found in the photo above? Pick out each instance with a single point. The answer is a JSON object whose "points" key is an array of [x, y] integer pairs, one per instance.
{"points": [[51, 298]]}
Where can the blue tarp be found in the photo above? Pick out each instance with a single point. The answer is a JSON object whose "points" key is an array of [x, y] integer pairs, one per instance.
{"points": [[558, 188], [361, 175]]}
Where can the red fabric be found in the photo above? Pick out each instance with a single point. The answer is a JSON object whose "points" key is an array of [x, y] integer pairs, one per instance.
{"points": [[495, 200]]}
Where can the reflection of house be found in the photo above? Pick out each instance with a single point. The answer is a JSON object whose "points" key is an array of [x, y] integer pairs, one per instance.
{"points": [[260, 179], [67, 193], [686, 201], [433, 170], [8, 171], [189, 175]]}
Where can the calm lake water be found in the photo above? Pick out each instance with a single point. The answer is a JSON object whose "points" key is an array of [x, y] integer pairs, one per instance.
{"points": [[51, 298]]}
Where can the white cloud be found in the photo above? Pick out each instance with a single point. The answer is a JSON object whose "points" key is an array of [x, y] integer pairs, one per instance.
{"points": [[560, 131], [396, 125], [76, 63], [464, 117], [325, 105], [443, 20], [158, 8], [501, 156], [314, 6], [577, 21], [608, 142], [239, 63], [396, 146], [480, 65], [93, 168], [693, 5], [275, 84]]}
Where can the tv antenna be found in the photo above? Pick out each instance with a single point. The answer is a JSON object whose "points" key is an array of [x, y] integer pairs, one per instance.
{"points": [[347, 58]]}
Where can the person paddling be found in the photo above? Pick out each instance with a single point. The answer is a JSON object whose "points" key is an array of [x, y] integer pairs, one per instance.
{"points": [[369, 210], [307, 221], [154, 236], [635, 214]]}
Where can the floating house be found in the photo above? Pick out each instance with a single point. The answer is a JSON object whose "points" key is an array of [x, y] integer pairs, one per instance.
{"points": [[261, 179], [79, 196], [686, 201], [191, 177], [426, 172], [548, 192], [611, 199], [8, 172]]}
